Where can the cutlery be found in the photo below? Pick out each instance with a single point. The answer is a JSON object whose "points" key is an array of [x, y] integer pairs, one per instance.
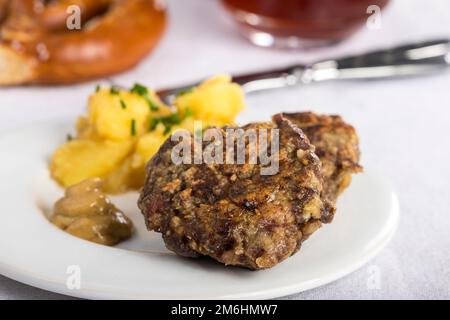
{"points": [[406, 60]]}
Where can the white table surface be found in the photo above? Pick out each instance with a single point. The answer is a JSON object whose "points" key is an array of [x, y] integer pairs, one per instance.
{"points": [[404, 126]]}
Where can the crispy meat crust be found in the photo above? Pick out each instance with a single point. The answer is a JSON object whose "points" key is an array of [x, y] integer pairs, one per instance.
{"points": [[337, 146], [232, 213]]}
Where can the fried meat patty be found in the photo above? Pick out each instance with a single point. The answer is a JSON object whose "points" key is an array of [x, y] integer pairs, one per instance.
{"points": [[231, 212], [337, 146]]}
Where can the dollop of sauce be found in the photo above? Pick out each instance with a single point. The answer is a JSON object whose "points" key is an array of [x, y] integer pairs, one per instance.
{"points": [[87, 213]]}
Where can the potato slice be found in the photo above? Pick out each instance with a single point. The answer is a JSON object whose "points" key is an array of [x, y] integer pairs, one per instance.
{"points": [[130, 174]]}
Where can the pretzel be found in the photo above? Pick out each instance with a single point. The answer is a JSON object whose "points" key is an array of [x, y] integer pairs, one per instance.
{"points": [[37, 47]]}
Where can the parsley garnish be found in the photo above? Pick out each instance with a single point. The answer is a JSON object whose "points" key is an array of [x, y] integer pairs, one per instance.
{"points": [[153, 106], [133, 127], [184, 91], [139, 89], [198, 132], [171, 119], [97, 88], [143, 92], [122, 104]]}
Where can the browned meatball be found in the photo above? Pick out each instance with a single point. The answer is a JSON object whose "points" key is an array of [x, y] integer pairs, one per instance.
{"points": [[337, 146], [233, 213]]}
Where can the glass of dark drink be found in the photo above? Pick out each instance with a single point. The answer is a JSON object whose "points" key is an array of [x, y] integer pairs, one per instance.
{"points": [[301, 23]]}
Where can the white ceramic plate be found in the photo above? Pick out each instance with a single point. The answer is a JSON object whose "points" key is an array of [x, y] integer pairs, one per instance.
{"points": [[34, 252]]}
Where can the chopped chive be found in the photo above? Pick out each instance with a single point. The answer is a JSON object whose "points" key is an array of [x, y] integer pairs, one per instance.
{"points": [[153, 106], [153, 124], [139, 89], [184, 91], [172, 119], [69, 137], [168, 122], [114, 90], [122, 104], [133, 127], [167, 130], [97, 88], [143, 92]]}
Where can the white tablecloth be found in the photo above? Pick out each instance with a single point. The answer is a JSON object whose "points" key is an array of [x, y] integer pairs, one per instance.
{"points": [[404, 127]]}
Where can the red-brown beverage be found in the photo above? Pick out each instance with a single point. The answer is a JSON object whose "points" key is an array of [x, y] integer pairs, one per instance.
{"points": [[294, 23]]}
